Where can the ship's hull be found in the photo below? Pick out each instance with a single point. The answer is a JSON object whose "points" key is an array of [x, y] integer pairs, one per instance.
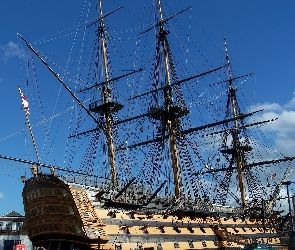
{"points": [[58, 215], [67, 216]]}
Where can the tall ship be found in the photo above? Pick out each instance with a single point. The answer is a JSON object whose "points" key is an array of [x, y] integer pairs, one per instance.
{"points": [[145, 149]]}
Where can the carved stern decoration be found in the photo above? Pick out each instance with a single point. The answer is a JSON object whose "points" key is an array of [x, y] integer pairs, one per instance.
{"points": [[57, 214]]}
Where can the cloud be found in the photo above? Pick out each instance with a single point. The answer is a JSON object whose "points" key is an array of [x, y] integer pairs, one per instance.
{"points": [[266, 107], [282, 130], [11, 49], [2, 196], [291, 103]]}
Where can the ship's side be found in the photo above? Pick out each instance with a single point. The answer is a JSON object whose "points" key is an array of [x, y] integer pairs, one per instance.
{"points": [[69, 215], [131, 230], [155, 227]]}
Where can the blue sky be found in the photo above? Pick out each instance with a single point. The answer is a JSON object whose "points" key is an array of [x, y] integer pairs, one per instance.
{"points": [[260, 37]]}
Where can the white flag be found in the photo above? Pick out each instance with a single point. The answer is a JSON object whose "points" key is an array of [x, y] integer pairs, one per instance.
{"points": [[25, 102]]}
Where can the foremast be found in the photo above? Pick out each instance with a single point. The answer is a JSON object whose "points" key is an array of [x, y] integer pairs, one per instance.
{"points": [[237, 151]]}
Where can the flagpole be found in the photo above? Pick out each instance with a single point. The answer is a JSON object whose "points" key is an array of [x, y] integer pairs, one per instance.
{"points": [[25, 107]]}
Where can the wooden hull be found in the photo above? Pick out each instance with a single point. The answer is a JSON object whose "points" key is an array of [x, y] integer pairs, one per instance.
{"points": [[56, 213], [67, 216]]}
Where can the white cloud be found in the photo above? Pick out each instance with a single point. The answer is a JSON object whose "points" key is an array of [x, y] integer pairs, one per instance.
{"points": [[11, 49], [282, 130], [291, 103], [2, 196], [266, 107]]}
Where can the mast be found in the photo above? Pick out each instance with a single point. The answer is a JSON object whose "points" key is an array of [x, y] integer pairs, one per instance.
{"points": [[237, 151], [107, 106], [168, 105]]}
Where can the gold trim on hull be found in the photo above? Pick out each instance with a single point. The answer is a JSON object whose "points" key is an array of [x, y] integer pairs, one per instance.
{"points": [[56, 211], [61, 213]]}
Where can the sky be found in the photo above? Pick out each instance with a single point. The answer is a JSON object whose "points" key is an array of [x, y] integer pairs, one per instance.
{"points": [[260, 37]]}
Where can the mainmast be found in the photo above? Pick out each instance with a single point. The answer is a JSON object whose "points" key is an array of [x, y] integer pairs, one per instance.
{"points": [[168, 113]]}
